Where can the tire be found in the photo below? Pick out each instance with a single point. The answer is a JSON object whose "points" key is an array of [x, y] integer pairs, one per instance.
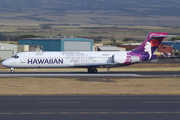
{"points": [[90, 70], [95, 70]]}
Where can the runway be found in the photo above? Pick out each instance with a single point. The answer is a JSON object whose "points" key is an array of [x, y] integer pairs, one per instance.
{"points": [[109, 74], [90, 107], [163, 61]]}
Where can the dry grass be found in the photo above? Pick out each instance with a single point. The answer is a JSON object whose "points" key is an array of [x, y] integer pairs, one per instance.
{"points": [[56, 86], [85, 18], [64, 86], [106, 31]]}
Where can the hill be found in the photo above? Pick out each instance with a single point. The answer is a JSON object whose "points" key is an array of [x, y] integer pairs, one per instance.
{"points": [[91, 11]]}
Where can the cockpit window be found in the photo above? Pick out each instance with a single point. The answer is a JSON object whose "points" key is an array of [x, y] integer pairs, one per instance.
{"points": [[15, 56]]}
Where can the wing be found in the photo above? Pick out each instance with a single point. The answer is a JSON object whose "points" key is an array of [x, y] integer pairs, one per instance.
{"points": [[86, 65]]}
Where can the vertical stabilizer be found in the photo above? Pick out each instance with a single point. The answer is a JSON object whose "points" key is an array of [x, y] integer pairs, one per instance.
{"points": [[151, 43]]}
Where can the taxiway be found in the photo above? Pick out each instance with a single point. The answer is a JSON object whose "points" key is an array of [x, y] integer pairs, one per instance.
{"points": [[85, 74], [90, 107]]}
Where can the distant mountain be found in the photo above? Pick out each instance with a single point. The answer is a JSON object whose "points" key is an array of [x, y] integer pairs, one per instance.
{"points": [[102, 12], [133, 7]]}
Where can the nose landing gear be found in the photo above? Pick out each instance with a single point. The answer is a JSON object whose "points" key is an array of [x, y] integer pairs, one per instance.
{"points": [[12, 70]]}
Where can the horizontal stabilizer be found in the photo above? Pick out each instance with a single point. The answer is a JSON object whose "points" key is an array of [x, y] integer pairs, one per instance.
{"points": [[164, 36]]}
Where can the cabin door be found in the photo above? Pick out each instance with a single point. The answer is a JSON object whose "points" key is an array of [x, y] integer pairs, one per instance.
{"points": [[22, 59]]}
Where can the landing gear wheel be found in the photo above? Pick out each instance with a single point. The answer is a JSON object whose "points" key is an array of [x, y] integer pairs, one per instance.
{"points": [[12, 70], [90, 70], [95, 70]]}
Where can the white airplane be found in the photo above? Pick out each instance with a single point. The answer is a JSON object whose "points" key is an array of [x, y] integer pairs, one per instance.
{"points": [[89, 60]]}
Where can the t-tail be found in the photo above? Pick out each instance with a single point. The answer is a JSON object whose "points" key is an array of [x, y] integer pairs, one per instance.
{"points": [[147, 48]]}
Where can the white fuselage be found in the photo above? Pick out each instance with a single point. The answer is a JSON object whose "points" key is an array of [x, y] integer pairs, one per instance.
{"points": [[61, 59]]}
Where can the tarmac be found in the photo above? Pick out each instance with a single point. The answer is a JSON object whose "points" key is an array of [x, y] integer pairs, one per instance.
{"points": [[90, 107], [91, 75]]}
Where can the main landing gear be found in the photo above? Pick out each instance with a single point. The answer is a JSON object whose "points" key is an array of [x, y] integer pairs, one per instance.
{"points": [[92, 70], [12, 70]]}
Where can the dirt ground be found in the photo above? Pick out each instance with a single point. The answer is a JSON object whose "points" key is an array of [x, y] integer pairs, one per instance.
{"points": [[88, 86]]}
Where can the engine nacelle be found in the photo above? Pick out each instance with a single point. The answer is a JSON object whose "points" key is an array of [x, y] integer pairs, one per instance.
{"points": [[119, 58], [135, 59], [124, 58]]}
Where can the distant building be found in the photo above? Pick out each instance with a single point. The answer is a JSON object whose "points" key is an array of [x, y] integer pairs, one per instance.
{"points": [[129, 47], [121, 49], [60, 43], [27, 48], [165, 48], [101, 47], [175, 44], [7, 50], [95, 46], [108, 48]]}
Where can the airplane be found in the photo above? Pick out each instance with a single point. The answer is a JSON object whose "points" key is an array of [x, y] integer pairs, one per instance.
{"points": [[90, 60]]}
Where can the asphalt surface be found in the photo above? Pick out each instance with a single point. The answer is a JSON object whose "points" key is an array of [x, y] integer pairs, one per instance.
{"points": [[163, 61], [89, 107], [109, 74]]}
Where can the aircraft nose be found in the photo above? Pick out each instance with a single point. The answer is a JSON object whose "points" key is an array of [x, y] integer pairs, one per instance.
{"points": [[5, 63]]}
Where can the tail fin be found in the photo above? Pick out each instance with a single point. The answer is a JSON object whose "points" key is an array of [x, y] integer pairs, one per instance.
{"points": [[151, 43]]}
